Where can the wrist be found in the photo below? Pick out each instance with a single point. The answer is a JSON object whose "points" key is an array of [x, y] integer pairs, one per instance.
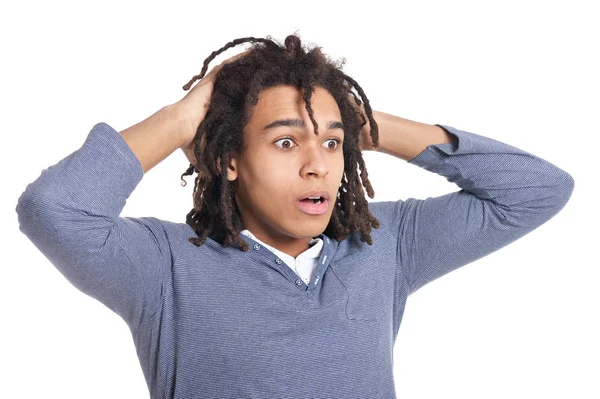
{"points": [[186, 128]]}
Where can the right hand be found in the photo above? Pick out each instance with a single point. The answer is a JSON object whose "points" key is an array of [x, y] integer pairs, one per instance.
{"points": [[195, 105]]}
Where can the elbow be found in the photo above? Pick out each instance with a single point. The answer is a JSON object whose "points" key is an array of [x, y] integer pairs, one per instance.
{"points": [[33, 210], [540, 204], [25, 210], [564, 190]]}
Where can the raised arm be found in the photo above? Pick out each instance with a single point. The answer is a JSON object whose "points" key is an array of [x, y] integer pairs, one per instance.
{"points": [[504, 194], [71, 213]]}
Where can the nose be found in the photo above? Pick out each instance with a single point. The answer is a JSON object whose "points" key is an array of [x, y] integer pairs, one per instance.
{"points": [[315, 160]]}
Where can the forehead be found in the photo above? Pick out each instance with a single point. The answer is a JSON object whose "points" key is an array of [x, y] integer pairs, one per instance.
{"points": [[286, 101]]}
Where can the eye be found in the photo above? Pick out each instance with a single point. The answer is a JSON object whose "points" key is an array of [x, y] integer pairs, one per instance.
{"points": [[287, 146], [338, 141], [286, 139]]}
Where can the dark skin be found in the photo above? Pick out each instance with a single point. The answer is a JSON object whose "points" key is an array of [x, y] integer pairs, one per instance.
{"points": [[268, 208], [274, 171]]}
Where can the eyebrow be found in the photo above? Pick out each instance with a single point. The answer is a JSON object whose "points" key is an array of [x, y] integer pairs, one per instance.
{"points": [[299, 123]]}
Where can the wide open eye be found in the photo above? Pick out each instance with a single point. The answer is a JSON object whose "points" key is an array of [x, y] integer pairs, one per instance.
{"points": [[285, 139], [338, 141], [288, 146]]}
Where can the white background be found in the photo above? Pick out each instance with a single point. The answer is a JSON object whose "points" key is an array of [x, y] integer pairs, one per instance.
{"points": [[522, 322]]}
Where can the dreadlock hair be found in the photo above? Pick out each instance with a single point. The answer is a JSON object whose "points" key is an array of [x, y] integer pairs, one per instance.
{"points": [[235, 92]]}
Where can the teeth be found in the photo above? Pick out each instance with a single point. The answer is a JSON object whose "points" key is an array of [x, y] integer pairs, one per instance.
{"points": [[316, 200]]}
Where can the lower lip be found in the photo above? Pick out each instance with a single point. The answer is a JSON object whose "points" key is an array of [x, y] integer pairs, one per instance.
{"points": [[313, 209]]}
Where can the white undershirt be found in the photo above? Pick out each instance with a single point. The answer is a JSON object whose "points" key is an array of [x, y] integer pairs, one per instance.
{"points": [[304, 264]]}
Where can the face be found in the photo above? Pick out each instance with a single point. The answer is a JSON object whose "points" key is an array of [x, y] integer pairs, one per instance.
{"points": [[282, 162]]}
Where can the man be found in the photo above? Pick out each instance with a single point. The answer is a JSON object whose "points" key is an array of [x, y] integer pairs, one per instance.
{"points": [[280, 295]]}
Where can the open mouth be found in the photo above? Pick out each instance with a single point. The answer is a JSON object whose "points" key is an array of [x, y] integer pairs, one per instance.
{"points": [[314, 206], [313, 200]]}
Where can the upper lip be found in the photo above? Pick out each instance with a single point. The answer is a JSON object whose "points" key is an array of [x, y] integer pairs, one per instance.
{"points": [[323, 194]]}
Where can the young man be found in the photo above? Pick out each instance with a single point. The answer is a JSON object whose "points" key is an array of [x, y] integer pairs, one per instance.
{"points": [[299, 314]]}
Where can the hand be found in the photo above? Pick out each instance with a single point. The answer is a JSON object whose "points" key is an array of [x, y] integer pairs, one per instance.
{"points": [[365, 142], [364, 139], [195, 105]]}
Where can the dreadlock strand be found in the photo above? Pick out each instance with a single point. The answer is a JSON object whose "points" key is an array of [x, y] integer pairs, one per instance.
{"points": [[237, 87], [367, 106]]}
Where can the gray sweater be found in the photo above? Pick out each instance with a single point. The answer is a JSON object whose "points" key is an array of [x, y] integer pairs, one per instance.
{"points": [[212, 321]]}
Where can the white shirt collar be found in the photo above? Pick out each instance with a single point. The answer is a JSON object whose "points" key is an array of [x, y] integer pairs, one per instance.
{"points": [[311, 253]]}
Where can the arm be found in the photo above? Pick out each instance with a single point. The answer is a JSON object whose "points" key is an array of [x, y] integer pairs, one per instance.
{"points": [[504, 194], [156, 137], [403, 138], [71, 213]]}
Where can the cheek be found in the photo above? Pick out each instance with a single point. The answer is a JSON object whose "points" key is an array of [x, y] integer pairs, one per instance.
{"points": [[268, 183]]}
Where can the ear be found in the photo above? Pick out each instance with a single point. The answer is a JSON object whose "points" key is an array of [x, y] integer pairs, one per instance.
{"points": [[231, 167]]}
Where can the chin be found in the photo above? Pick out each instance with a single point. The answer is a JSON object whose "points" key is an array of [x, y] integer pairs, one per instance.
{"points": [[308, 232]]}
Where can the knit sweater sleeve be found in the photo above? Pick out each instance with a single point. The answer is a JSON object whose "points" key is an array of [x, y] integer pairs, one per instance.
{"points": [[504, 193], [71, 213]]}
